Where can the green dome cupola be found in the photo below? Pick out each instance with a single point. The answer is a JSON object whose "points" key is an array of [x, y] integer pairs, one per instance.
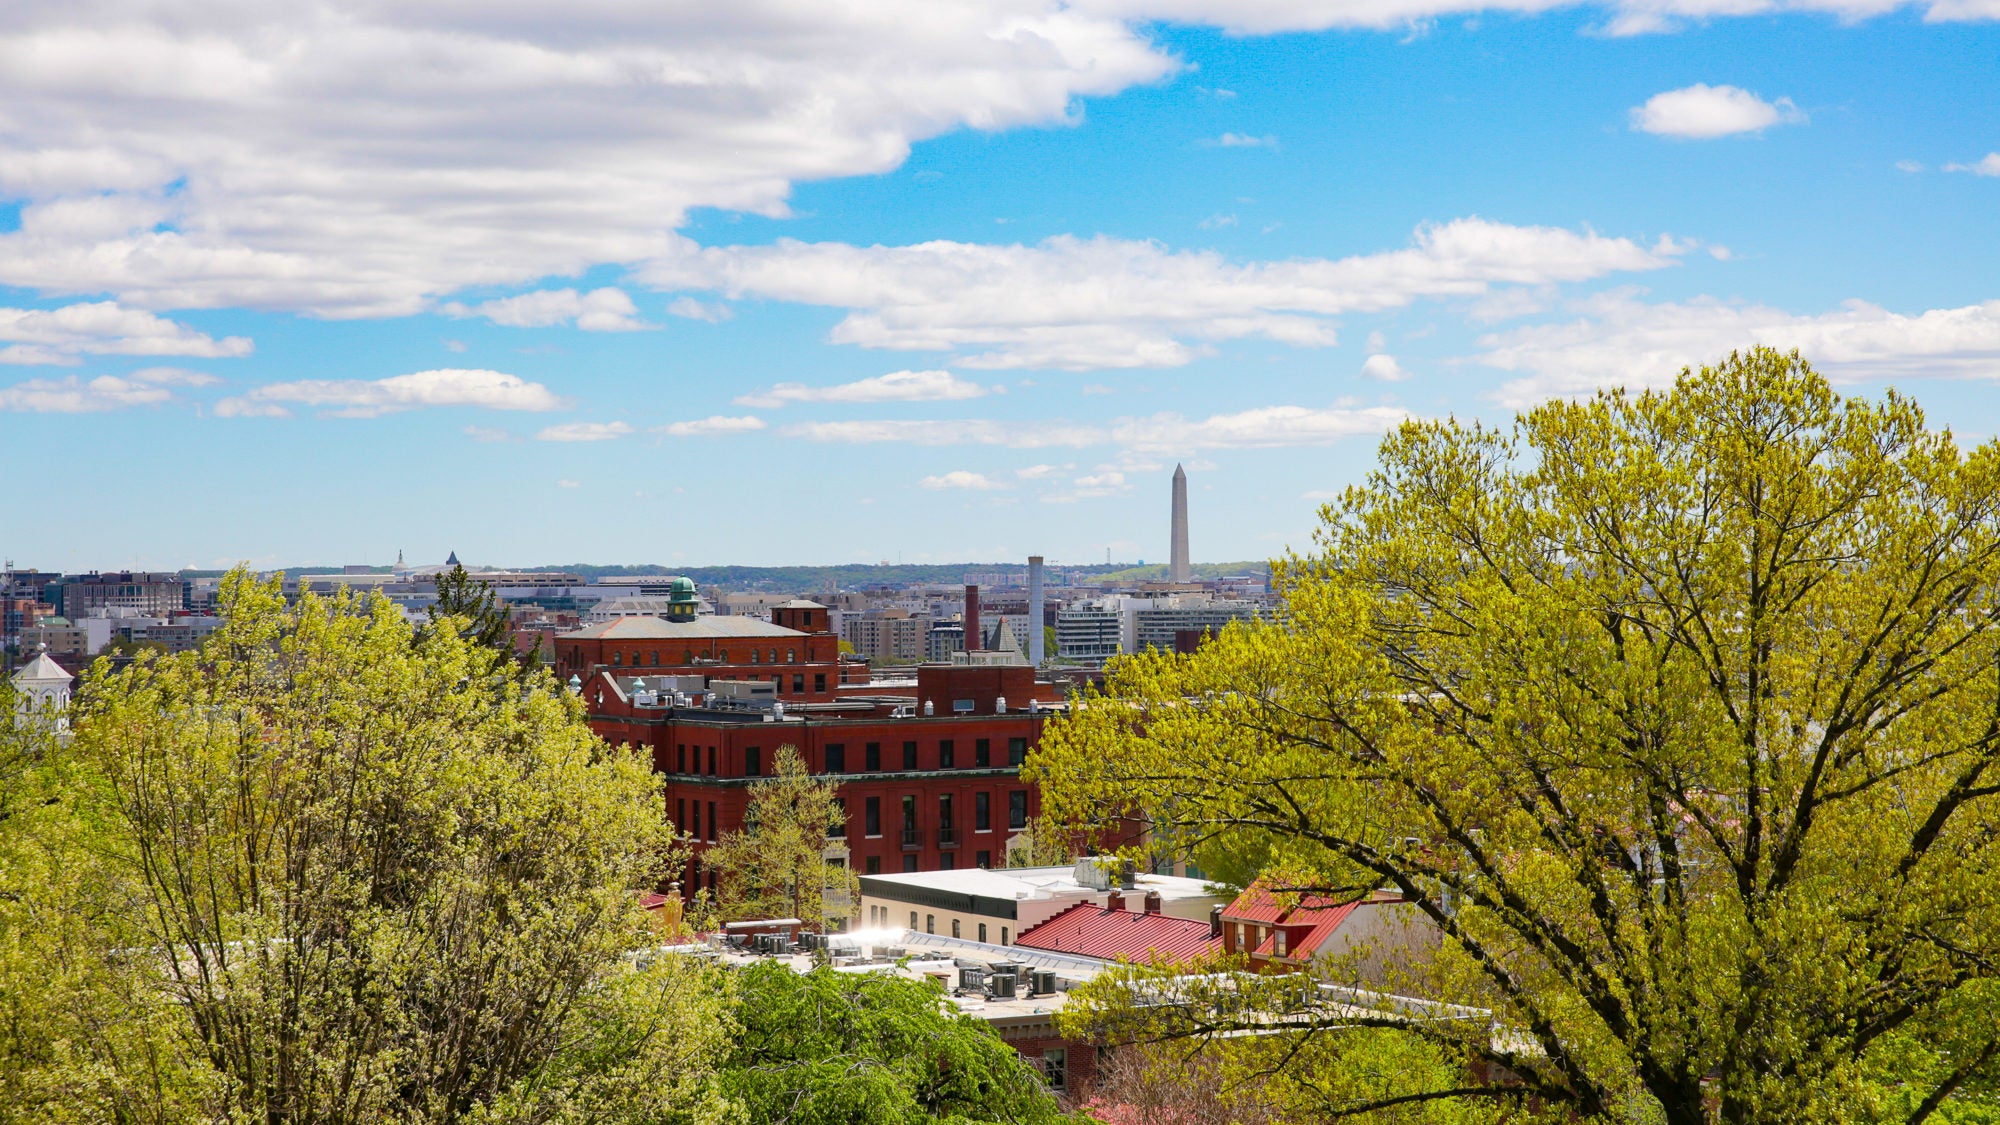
{"points": [[681, 599]]}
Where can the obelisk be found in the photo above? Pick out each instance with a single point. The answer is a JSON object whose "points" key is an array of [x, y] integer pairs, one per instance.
{"points": [[1177, 561]]}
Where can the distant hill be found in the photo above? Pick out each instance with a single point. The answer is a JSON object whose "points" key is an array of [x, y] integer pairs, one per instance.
{"points": [[850, 576]]}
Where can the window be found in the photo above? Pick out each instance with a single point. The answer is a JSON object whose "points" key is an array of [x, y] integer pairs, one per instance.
{"points": [[872, 816], [909, 755], [682, 767], [838, 830], [753, 656], [819, 681], [798, 683], [681, 814], [982, 813], [909, 863], [618, 658], [697, 820], [711, 761], [1017, 809], [711, 822], [1003, 935], [774, 656], [982, 753], [1280, 947], [791, 656], [1017, 751], [944, 810], [655, 658], [753, 761], [1055, 1067], [954, 927], [836, 758], [873, 756], [982, 931], [946, 754], [909, 817], [875, 868], [913, 919], [984, 861], [946, 862]]}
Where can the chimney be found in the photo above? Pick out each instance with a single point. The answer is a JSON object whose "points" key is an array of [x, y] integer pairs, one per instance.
{"points": [[1035, 626], [1215, 921], [973, 641], [1114, 900], [1152, 902]]}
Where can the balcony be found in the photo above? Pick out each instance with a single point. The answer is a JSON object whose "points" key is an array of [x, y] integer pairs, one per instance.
{"points": [[947, 837], [913, 841]]}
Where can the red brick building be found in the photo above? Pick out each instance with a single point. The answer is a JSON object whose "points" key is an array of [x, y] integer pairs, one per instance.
{"points": [[930, 780], [794, 650]]}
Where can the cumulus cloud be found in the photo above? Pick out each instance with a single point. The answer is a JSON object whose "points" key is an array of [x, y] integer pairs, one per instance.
{"points": [[896, 386], [714, 424], [961, 479], [1084, 304], [601, 310], [584, 431], [152, 386], [65, 335], [1990, 166], [1703, 112], [1623, 341], [369, 398], [1384, 368]]}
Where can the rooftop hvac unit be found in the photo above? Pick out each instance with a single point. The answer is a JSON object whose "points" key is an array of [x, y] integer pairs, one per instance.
{"points": [[1000, 986], [972, 980], [1045, 982]]}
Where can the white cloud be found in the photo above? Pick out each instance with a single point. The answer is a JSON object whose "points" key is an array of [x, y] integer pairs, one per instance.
{"points": [[896, 386], [488, 434], [1703, 112], [584, 431], [1217, 222], [64, 335], [961, 479], [1989, 166], [152, 386], [1910, 166], [1621, 340], [1264, 427], [1384, 368], [601, 310], [369, 398], [714, 424], [566, 483], [1097, 303], [690, 309], [1243, 140], [1036, 472]]}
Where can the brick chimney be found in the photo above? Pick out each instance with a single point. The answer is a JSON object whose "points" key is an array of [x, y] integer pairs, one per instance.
{"points": [[1215, 921], [1152, 902], [973, 641]]}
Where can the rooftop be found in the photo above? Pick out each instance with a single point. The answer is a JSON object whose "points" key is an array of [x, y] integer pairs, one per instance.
{"points": [[1035, 882], [1090, 930], [701, 628]]}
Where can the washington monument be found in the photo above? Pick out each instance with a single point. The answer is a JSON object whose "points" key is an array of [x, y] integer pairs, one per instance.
{"points": [[1177, 559]]}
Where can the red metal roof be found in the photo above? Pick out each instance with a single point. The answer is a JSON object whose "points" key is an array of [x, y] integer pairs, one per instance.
{"points": [[1307, 924], [1092, 931]]}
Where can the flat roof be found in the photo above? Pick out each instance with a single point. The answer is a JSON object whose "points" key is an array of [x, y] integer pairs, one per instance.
{"points": [[701, 628]]}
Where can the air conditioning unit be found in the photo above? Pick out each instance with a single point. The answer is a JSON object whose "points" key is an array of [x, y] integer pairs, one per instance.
{"points": [[1045, 982], [972, 980], [1000, 986]]}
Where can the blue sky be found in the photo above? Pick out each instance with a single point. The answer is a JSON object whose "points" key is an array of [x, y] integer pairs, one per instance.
{"points": [[805, 284]]}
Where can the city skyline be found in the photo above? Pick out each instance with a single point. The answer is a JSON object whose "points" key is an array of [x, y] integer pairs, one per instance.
{"points": [[822, 286]]}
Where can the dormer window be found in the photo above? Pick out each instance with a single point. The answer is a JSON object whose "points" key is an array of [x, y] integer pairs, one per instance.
{"points": [[1281, 943]]}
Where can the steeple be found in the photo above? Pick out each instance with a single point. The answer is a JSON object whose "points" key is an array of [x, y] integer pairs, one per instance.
{"points": [[41, 691]]}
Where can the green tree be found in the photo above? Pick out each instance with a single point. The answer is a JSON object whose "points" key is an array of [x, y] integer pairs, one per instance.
{"points": [[779, 864], [377, 876], [1676, 715], [833, 1048], [478, 615]]}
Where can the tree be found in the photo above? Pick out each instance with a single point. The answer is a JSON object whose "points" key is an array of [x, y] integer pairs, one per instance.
{"points": [[834, 1048], [778, 865], [377, 876], [478, 615], [1675, 714]]}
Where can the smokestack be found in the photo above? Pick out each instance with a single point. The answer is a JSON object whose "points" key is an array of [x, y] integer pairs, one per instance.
{"points": [[1035, 634], [973, 641], [1177, 561]]}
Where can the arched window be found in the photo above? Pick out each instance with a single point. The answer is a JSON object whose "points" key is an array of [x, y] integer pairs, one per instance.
{"points": [[687, 657], [791, 656], [618, 659], [753, 656], [723, 656], [774, 656], [655, 655]]}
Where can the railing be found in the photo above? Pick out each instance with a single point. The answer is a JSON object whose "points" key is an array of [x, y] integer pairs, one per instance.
{"points": [[947, 837], [912, 840]]}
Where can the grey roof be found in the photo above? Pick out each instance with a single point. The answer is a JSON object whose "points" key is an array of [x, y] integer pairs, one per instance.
{"points": [[798, 603], [701, 628], [42, 670]]}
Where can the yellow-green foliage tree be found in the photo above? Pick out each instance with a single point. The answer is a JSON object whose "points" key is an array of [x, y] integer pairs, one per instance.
{"points": [[778, 865], [346, 874], [1677, 717]]}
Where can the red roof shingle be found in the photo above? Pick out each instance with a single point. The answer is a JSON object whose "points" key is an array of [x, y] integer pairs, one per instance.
{"points": [[1091, 930]]}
